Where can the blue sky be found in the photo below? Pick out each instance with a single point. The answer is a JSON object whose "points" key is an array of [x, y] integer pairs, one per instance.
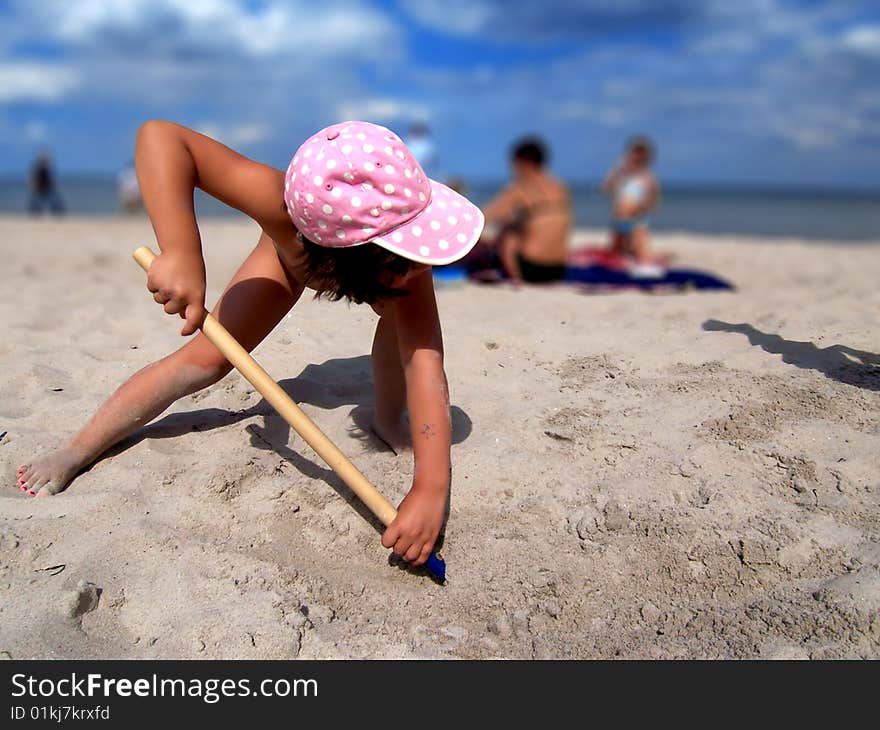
{"points": [[764, 91]]}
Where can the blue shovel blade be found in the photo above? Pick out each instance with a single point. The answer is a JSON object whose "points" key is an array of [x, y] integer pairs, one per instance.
{"points": [[436, 567]]}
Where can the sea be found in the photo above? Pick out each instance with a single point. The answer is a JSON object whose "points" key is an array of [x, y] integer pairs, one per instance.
{"points": [[851, 216]]}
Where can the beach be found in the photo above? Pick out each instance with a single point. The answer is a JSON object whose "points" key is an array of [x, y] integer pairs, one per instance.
{"points": [[686, 475]]}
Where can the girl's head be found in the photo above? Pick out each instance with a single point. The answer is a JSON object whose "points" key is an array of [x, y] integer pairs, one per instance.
{"points": [[355, 185], [361, 274], [640, 152]]}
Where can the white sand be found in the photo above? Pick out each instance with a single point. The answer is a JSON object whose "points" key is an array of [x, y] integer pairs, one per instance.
{"points": [[625, 482]]}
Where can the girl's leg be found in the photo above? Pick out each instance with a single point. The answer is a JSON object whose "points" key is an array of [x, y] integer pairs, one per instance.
{"points": [[389, 383], [640, 245], [256, 299]]}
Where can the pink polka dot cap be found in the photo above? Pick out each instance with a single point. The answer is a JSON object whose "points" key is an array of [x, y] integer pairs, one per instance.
{"points": [[355, 182]]}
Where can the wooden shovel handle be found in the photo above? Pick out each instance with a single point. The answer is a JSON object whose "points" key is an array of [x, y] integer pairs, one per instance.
{"points": [[290, 411]]}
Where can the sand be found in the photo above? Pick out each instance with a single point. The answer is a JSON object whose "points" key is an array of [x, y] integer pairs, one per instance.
{"points": [[688, 475]]}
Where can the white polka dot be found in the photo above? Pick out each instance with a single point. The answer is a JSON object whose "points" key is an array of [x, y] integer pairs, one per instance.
{"points": [[308, 153], [374, 212], [461, 238], [346, 218], [318, 180], [422, 197], [328, 209], [361, 136], [355, 202], [292, 176], [407, 172], [368, 229], [417, 231], [320, 156], [295, 159], [389, 188], [400, 154], [322, 224], [456, 204], [317, 237], [389, 169], [310, 198], [452, 220], [468, 216], [407, 192], [424, 250], [369, 166], [336, 192], [386, 205], [346, 149], [348, 176], [304, 169], [397, 237], [340, 233], [367, 186], [443, 243], [296, 195], [441, 204], [331, 163], [368, 148], [388, 150], [303, 221], [446, 192], [435, 225], [287, 187]]}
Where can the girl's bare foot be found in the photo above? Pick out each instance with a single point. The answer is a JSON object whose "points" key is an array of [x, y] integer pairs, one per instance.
{"points": [[50, 473], [395, 437]]}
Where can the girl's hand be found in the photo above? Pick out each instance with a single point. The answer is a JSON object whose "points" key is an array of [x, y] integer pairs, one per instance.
{"points": [[419, 519], [177, 280]]}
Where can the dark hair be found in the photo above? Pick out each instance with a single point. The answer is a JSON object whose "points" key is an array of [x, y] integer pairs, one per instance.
{"points": [[530, 149], [357, 273], [642, 144]]}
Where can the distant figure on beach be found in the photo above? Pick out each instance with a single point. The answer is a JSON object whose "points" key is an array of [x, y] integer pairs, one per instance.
{"points": [[43, 188], [421, 145], [128, 191], [634, 193], [529, 221]]}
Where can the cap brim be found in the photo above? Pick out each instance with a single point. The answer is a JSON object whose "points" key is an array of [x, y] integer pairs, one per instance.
{"points": [[444, 232]]}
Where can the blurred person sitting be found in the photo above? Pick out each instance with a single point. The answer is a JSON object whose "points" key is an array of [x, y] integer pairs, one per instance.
{"points": [[43, 188], [531, 220], [634, 193]]}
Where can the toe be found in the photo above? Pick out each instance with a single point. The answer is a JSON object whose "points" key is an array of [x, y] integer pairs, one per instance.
{"points": [[35, 484], [47, 490]]}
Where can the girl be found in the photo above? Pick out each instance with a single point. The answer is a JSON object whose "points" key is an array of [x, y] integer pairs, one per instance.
{"points": [[367, 226], [635, 193]]}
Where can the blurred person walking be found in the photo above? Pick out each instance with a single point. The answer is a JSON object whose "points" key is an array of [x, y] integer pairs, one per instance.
{"points": [[43, 187]]}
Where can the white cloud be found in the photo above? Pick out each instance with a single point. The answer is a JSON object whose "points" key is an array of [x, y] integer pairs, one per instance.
{"points": [[383, 110], [224, 27], [28, 81], [863, 39], [236, 134]]}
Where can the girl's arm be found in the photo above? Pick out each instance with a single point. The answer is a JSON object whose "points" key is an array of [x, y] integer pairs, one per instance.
{"points": [[414, 532], [171, 162]]}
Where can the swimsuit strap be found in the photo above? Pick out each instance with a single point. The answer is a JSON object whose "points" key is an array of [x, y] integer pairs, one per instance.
{"points": [[549, 204]]}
